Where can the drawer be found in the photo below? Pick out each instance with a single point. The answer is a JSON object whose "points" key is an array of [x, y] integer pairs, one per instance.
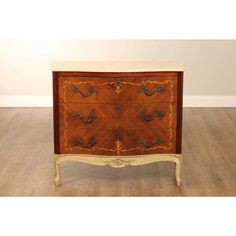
{"points": [[147, 141], [148, 115], [89, 116], [113, 116], [118, 89], [118, 142], [87, 141]]}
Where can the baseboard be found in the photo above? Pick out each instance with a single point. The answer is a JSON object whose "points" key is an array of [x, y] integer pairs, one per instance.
{"points": [[25, 101], [209, 101], [189, 101]]}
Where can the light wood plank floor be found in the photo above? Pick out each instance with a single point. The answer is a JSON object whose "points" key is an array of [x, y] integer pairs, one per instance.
{"points": [[209, 160]]}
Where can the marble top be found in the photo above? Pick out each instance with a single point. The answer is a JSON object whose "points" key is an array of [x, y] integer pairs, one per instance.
{"points": [[116, 66]]}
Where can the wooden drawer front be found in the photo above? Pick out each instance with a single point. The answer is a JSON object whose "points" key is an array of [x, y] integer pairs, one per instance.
{"points": [[118, 142], [113, 116], [147, 141], [114, 90], [87, 141], [91, 116], [148, 116]]}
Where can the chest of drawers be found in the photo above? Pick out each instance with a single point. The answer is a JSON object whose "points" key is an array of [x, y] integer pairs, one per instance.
{"points": [[117, 113]]}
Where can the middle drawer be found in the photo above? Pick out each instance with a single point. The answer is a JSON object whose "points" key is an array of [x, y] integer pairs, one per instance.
{"points": [[128, 116]]}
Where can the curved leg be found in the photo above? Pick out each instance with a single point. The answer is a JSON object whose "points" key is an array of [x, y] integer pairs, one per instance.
{"points": [[57, 177], [177, 171]]}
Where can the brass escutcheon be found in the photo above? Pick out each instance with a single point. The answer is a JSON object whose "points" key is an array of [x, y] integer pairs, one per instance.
{"points": [[118, 108]]}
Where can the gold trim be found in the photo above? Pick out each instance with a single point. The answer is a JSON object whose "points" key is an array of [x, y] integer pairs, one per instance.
{"points": [[117, 162]]}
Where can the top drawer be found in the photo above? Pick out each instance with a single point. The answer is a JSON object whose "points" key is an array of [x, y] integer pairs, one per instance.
{"points": [[160, 87]]}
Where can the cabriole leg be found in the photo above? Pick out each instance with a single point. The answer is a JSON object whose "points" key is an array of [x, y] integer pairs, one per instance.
{"points": [[178, 171], [57, 176]]}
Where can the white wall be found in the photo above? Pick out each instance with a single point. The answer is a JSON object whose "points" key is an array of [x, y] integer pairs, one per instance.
{"points": [[210, 64]]}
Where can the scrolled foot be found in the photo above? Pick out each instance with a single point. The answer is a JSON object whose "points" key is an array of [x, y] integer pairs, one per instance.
{"points": [[178, 182], [177, 172], [57, 181], [57, 178]]}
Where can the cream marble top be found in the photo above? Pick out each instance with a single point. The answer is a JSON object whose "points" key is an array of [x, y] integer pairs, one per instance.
{"points": [[116, 66]]}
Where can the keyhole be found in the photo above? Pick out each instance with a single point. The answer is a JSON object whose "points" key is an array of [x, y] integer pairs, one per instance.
{"points": [[118, 108], [118, 83]]}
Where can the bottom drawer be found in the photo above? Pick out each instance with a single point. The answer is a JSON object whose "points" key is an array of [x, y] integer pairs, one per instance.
{"points": [[118, 142]]}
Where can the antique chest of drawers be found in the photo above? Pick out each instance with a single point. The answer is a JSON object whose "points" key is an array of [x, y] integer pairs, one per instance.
{"points": [[117, 113]]}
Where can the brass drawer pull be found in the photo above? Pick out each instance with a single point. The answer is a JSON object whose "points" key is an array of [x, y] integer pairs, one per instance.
{"points": [[148, 117], [156, 141], [79, 142], [78, 116], [157, 89], [77, 90]]}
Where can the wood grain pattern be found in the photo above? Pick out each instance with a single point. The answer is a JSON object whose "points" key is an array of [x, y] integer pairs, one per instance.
{"points": [[117, 74], [209, 164], [107, 142], [97, 116], [56, 115], [179, 113], [99, 95], [106, 90]]}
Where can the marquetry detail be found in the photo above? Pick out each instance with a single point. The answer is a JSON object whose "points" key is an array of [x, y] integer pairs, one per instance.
{"points": [[118, 146], [117, 162], [117, 86]]}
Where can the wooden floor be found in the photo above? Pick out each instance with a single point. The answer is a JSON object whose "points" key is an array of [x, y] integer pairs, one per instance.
{"points": [[209, 160]]}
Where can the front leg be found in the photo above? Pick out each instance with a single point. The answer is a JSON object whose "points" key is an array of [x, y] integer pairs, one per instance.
{"points": [[57, 176], [178, 170]]}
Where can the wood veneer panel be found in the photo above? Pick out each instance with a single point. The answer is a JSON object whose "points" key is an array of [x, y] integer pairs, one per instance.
{"points": [[116, 74], [128, 92], [179, 113], [106, 142], [56, 116], [128, 116], [113, 90]]}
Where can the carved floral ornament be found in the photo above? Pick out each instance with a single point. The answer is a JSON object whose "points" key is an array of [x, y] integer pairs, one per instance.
{"points": [[117, 163]]}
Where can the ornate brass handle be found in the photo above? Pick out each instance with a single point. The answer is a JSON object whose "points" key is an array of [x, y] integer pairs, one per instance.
{"points": [[77, 90], [79, 142], [78, 116], [157, 89], [156, 141], [148, 117]]}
